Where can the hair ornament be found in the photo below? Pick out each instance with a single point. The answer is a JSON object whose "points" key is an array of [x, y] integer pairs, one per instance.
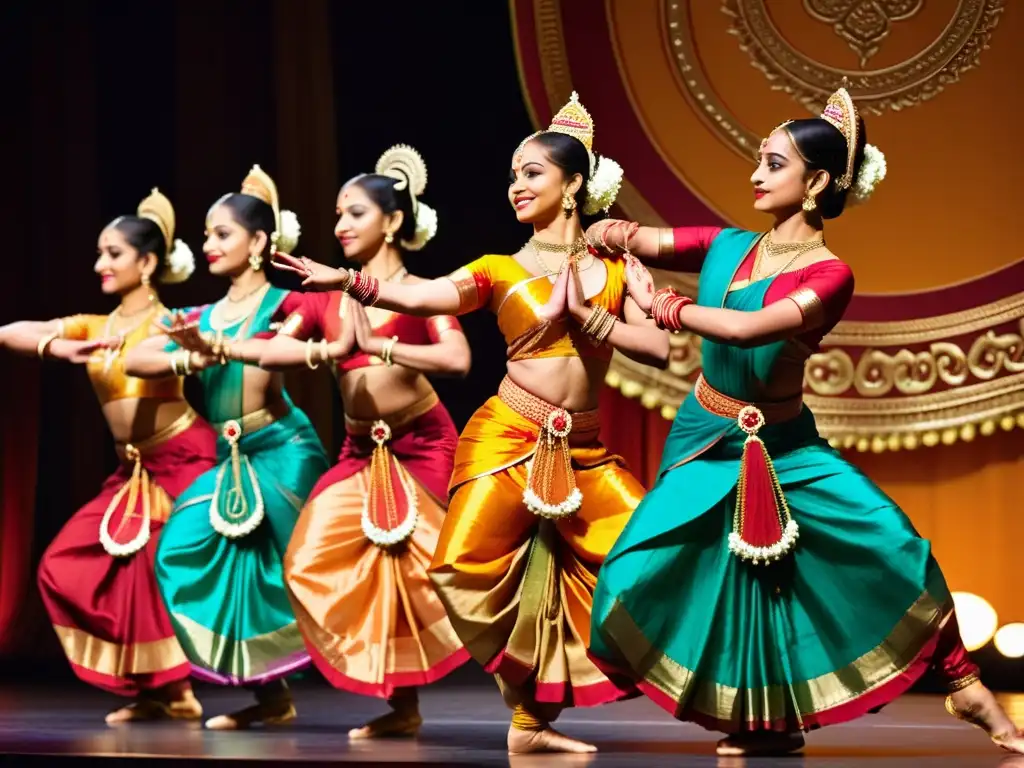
{"points": [[406, 166], [605, 175], [286, 232], [179, 263]]}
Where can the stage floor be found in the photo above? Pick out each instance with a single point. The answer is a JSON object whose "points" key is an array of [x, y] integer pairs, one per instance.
{"points": [[465, 725]]}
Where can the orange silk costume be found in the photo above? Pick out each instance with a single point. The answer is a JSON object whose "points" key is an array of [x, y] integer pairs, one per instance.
{"points": [[356, 566], [518, 586], [97, 577]]}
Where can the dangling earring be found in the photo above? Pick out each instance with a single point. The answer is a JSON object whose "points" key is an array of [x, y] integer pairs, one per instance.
{"points": [[145, 282], [389, 238], [256, 261], [568, 205], [809, 202]]}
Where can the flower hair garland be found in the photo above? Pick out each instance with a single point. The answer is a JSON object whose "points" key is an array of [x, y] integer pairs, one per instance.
{"points": [[872, 170], [603, 187], [179, 264], [287, 237], [426, 227]]}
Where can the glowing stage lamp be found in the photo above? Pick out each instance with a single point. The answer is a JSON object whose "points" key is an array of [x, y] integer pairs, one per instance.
{"points": [[977, 618], [1009, 640]]}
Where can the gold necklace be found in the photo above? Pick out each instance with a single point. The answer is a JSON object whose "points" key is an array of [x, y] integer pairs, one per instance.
{"points": [[110, 354], [577, 247], [219, 318], [774, 250], [244, 296]]}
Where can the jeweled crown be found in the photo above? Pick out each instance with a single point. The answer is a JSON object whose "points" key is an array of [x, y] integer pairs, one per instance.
{"points": [[574, 120], [841, 113], [158, 209]]}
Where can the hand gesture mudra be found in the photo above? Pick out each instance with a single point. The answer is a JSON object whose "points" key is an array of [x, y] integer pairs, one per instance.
{"points": [[186, 334], [315, 276], [575, 301], [639, 283], [557, 304], [365, 338]]}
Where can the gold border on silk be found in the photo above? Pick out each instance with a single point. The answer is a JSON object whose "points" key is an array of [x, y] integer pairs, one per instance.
{"points": [[116, 660], [879, 666]]}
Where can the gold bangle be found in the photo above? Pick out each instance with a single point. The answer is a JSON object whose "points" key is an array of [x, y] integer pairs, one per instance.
{"points": [[593, 321], [606, 329], [323, 350], [386, 349], [174, 364], [309, 356], [186, 362], [44, 344], [666, 241]]}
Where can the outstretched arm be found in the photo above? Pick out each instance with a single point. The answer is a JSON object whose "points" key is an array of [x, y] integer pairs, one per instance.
{"points": [[679, 249], [150, 360], [430, 297], [45, 339]]}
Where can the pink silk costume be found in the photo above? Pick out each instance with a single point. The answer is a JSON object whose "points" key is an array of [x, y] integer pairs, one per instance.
{"points": [[106, 609], [518, 587], [369, 615]]}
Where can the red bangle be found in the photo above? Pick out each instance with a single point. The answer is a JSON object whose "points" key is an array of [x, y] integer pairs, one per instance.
{"points": [[666, 308], [363, 288]]}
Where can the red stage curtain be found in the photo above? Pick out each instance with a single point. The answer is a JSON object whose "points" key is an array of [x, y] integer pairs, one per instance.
{"points": [[633, 432], [19, 384]]}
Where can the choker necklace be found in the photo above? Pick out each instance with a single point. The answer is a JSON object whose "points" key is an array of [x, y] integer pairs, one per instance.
{"points": [[577, 249], [244, 296], [772, 250]]}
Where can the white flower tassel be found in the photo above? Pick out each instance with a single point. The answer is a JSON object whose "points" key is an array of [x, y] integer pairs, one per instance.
{"points": [[603, 187], [426, 228], [872, 171], [179, 264], [288, 235]]}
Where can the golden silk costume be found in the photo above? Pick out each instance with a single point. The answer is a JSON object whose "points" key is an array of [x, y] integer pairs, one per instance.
{"points": [[518, 580]]}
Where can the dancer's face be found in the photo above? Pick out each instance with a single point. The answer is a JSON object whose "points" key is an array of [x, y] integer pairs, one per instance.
{"points": [[780, 180], [118, 264], [536, 185], [362, 224], [228, 244]]}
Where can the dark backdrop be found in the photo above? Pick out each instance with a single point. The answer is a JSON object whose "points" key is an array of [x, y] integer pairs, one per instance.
{"points": [[108, 99]]}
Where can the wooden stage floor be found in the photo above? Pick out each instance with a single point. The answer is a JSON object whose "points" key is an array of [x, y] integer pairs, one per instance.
{"points": [[465, 725]]}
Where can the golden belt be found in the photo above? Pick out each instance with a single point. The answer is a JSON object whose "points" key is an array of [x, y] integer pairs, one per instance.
{"points": [[763, 530], [395, 421], [551, 489], [137, 487], [253, 421]]}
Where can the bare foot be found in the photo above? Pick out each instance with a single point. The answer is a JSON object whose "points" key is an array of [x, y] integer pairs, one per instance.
{"points": [[271, 713], [976, 705], [760, 743], [544, 740], [391, 725], [145, 708]]}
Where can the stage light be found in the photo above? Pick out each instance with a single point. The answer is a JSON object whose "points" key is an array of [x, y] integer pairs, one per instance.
{"points": [[1009, 640], [977, 618]]}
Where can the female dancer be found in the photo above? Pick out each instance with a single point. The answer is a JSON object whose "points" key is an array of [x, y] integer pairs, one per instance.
{"points": [[764, 596], [536, 500], [356, 568], [96, 577], [219, 561]]}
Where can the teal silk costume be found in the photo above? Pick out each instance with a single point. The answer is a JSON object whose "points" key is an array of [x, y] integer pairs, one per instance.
{"points": [[839, 626], [219, 561]]}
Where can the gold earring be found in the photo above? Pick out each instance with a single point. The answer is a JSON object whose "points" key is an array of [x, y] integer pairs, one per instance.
{"points": [[568, 204], [389, 238], [809, 202], [256, 261], [145, 278]]}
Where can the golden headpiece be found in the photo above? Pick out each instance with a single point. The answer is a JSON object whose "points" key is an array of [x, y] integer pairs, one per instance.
{"points": [[158, 209], [605, 178], [841, 113], [286, 232], [259, 185], [405, 165]]}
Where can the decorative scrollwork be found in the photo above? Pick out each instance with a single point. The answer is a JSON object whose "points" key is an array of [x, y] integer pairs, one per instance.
{"points": [[863, 24]]}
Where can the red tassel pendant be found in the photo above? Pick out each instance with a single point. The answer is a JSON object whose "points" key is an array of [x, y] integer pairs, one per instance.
{"points": [[763, 530], [390, 511]]}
